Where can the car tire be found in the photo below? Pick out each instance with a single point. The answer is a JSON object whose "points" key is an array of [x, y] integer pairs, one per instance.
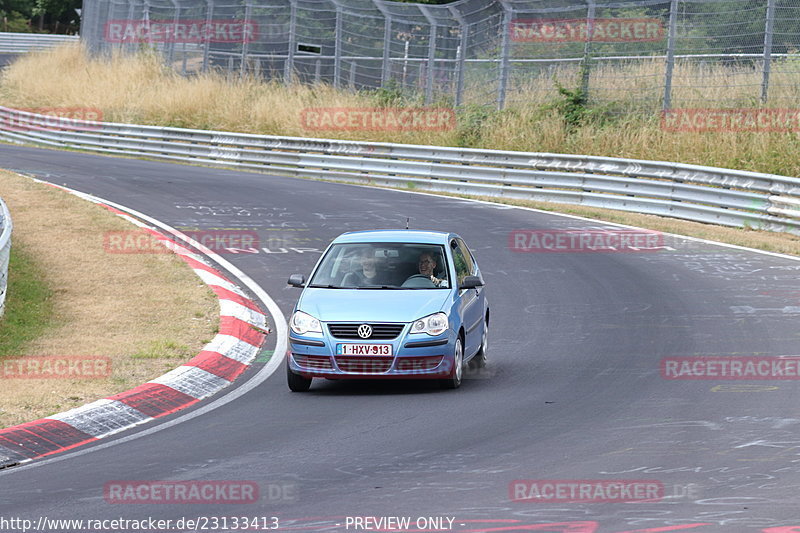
{"points": [[479, 361], [297, 383], [456, 374]]}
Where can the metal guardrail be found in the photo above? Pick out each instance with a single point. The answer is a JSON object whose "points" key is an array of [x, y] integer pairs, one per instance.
{"points": [[18, 43], [5, 252], [690, 192]]}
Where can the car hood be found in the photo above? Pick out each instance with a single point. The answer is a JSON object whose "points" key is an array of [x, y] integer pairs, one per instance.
{"points": [[371, 305]]}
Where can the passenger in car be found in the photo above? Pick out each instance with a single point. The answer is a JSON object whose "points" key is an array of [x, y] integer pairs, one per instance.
{"points": [[369, 274]]}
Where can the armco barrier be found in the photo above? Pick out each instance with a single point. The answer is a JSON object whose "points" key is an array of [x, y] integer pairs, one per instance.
{"points": [[5, 252], [18, 43], [703, 194]]}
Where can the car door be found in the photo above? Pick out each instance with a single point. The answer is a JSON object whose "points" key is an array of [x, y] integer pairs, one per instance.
{"points": [[470, 300]]}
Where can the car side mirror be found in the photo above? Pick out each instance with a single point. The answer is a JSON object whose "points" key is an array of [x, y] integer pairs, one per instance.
{"points": [[471, 282], [297, 280]]}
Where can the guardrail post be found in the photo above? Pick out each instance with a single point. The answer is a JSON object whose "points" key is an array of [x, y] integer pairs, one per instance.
{"points": [[768, 31], [505, 51], [288, 67], [670, 65]]}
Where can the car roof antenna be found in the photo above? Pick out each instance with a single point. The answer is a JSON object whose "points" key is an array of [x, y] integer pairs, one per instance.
{"points": [[407, 219]]}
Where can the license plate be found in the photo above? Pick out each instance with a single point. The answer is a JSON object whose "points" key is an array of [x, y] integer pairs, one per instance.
{"points": [[364, 349]]}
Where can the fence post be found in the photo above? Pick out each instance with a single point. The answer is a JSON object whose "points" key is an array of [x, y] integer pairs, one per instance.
{"points": [[505, 51], [248, 13], [337, 51], [146, 21], [405, 63], [670, 66], [131, 46], [768, 31], [288, 67], [460, 55], [587, 48], [386, 69], [207, 44], [386, 72], [352, 81], [431, 53], [173, 40]]}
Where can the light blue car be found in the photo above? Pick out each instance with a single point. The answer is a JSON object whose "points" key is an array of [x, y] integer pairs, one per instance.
{"points": [[389, 304]]}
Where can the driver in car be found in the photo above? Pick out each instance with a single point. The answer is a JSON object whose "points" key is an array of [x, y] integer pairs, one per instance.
{"points": [[427, 268]]}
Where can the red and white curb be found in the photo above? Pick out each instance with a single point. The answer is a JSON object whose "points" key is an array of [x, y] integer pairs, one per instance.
{"points": [[242, 331]]}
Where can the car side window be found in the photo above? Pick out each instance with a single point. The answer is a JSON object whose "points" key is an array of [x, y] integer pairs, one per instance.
{"points": [[467, 257], [461, 263]]}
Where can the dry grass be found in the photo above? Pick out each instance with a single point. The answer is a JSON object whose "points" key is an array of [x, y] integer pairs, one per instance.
{"points": [[140, 89], [147, 312]]}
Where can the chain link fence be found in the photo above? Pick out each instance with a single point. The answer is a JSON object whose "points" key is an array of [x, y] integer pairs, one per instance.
{"points": [[643, 55]]}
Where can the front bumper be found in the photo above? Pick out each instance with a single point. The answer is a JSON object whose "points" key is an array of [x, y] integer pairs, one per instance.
{"points": [[418, 356]]}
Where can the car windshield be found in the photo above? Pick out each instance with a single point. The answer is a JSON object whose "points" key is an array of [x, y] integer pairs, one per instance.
{"points": [[404, 266]]}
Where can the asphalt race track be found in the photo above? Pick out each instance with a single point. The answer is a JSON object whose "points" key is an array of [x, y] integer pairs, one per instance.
{"points": [[573, 390], [6, 59]]}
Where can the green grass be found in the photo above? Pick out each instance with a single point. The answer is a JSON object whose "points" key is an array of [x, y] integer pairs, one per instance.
{"points": [[29, 304], [163, 349]]}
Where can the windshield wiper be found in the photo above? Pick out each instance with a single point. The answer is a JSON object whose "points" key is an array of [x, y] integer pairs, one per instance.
{"points": [[326, 287], [392, 287]]}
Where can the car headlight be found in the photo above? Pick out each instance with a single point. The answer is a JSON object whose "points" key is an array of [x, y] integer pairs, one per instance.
{"points": [[434, 324], [302, 323]]}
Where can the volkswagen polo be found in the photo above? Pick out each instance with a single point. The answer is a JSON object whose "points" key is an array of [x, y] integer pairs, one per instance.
{"points": [[389, 304]]}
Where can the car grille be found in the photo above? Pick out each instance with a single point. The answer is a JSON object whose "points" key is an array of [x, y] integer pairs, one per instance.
{"points": [[365, 365], [379, 331], [315, 362], [418, 364]]}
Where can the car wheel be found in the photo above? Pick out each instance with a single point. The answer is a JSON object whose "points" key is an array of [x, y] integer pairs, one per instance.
{"points": [[454, 381], [479, 361], [297, 383]]}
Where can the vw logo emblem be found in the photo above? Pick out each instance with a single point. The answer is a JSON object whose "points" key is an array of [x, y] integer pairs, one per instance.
{"points": [[365, 331]]}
